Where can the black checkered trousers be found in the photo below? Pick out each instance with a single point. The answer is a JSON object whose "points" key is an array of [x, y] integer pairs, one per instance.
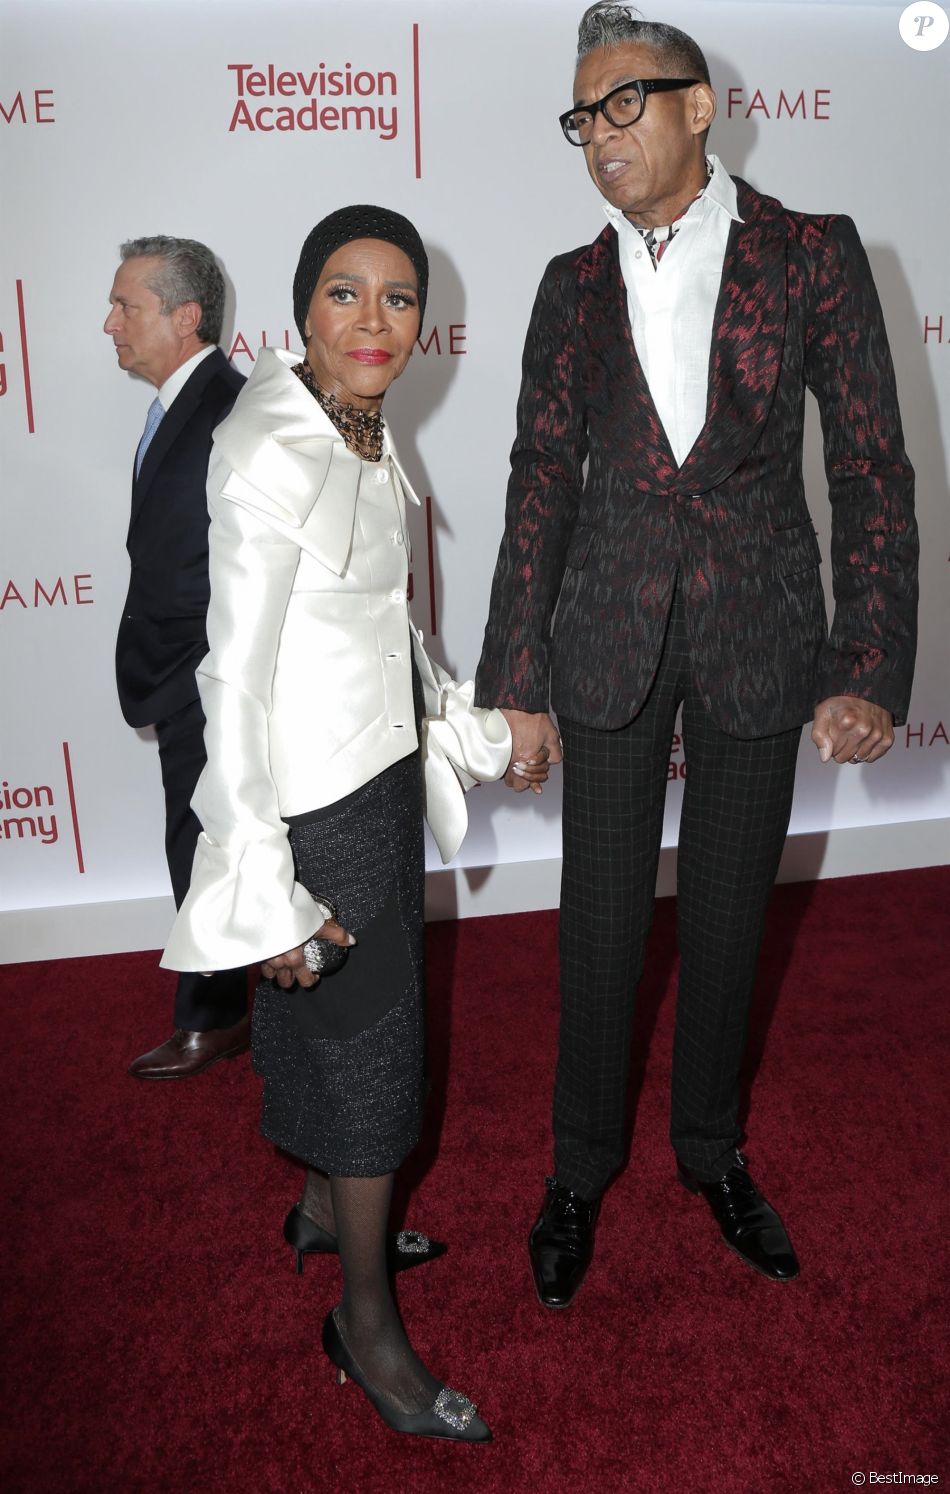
{"points": [[736, 804]]}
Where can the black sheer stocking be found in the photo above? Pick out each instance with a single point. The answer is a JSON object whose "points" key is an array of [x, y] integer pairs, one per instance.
{"points": [[315, 1200], [368, 1316]]}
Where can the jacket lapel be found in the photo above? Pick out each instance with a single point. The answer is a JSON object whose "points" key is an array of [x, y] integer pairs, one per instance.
{"points": [[617, 381], [748, 340], [289, 464]]}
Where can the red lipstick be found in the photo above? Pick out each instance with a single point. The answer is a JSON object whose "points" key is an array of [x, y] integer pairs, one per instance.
{"points": [[370, 355]]}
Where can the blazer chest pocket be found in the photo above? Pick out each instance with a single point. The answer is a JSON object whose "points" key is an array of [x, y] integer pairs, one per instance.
{"points": [[795, 550], [579, 546]]}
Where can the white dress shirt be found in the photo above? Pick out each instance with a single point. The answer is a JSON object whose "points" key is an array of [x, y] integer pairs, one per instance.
{"points": [[175, 383], [671, 307]]}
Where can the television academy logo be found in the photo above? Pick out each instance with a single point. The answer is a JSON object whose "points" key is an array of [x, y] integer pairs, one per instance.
{"points": [[297, 100], [806, 104], [16, 346], [28, 813], [323, 98]]}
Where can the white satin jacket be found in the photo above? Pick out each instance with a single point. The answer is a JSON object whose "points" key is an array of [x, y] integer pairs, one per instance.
{"points": [[307, 685]]}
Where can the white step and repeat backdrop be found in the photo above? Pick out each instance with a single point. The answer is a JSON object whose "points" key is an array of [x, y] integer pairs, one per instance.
{"points": [[241, 124]]}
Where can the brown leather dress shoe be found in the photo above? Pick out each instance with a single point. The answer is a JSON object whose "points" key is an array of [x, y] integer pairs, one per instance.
{"points": [[187, 1053]]}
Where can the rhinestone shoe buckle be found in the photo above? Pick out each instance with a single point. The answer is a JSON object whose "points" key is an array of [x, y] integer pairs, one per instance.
{"points": [[412, 1242], [454, 1408]]}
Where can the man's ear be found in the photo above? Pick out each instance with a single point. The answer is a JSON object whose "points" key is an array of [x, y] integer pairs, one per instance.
{"points": [[187, 318], [702, 107]]}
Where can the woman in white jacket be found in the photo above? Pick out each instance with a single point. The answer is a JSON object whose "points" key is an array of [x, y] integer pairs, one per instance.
{"points": [[324, 716]]}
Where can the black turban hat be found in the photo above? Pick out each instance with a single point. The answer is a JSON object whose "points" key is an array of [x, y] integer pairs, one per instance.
{"points": [[341, 227]]}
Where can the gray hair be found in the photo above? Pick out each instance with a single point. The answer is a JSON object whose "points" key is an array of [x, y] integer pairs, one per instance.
{"points": [[606, 24], [188, 272]]}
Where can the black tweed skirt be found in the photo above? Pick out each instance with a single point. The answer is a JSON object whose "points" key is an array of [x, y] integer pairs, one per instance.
{"points": [[342, 1063]]}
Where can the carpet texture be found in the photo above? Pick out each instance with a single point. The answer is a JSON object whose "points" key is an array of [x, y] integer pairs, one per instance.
{"points": [[158, 1338]]}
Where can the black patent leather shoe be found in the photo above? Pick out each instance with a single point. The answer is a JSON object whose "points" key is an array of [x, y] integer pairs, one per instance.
{"points": [[403, 1251], [749, 1224], [561, 1244]]}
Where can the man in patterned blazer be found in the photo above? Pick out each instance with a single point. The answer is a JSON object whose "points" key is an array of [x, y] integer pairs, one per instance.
{"points": [[673, 355]]}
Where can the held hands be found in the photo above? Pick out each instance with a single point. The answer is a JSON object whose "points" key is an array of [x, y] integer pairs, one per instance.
{"points": [[534, 744], [290, 967], [851, 730]]}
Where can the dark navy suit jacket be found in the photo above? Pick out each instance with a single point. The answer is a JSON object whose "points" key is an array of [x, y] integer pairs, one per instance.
{"points": [[162, 636]]}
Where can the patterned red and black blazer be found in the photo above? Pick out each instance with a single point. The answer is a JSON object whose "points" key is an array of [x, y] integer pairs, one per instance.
{"points": [[587, 564]]}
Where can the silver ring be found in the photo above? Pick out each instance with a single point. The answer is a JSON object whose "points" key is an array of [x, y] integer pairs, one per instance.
{"points": [[313, 956], [323, 956]]}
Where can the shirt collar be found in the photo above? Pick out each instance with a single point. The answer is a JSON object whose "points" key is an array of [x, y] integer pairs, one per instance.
{"points": [[720, 192], [175, 383]]}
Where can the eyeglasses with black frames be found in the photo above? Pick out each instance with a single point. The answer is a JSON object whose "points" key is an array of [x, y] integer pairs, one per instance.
{"points": [[621, 107]]}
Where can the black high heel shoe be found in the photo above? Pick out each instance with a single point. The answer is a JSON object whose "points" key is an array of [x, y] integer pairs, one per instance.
{"points": [[403, 1251], [451, 1415]]}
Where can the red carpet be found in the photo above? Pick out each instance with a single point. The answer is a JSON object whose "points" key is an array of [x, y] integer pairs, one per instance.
{"points": [[160, 1341]]}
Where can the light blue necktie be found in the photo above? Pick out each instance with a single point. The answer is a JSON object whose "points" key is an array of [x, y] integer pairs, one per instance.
{"points": [[152, 421]]}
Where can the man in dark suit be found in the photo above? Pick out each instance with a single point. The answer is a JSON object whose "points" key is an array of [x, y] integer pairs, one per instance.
{"points": [[167, 307], [673, 355]]}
